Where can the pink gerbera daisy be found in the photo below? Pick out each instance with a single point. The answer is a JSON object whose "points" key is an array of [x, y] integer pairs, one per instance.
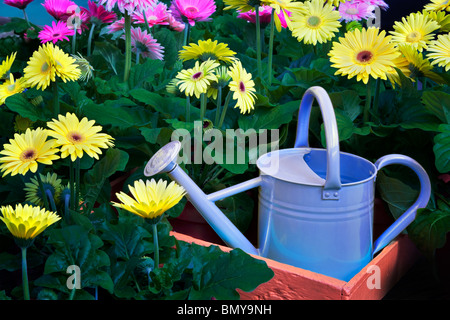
{"points": [[355, 11], [174, 23], [21, 4], [57, 32], [155, 14], [127, 5], [192, 10], [265, 14], [376, 3], [60, 9], [145, 45], [97, 14], [116, 26]]}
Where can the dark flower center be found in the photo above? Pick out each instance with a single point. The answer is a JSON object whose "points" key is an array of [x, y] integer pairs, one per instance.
{"points": [[75, 137], [197, 75], [242, 86], [28, 155], [364, 56]]}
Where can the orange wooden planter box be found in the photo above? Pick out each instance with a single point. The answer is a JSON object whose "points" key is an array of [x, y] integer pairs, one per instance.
{"points": [[292, 283]]}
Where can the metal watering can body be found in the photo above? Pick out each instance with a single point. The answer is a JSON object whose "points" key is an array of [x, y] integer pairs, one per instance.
{"points": [[315, 205]]}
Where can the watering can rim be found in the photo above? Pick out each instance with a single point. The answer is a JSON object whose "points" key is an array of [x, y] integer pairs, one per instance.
{"points": [[291, 150]]}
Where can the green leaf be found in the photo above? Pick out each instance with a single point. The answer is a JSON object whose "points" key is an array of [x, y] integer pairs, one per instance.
{"points": [[122, 113], [398, 195], [218, 277], [438, 104], [169, 107], [441, 149], [113, 161], [20, 104], [348, 101], [75, 246], [429, 230], [145, 72], [270, 118]]}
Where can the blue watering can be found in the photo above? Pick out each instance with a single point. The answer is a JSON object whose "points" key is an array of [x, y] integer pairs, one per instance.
{"points": [[315, 205]]}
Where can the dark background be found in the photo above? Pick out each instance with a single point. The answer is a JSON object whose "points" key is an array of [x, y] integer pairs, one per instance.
{"points": [[398, 9]]}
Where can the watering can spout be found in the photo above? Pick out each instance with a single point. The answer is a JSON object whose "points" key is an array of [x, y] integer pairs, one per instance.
{"points": [[165, 161]]}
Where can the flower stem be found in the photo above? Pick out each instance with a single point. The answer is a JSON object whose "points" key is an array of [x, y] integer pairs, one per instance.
{"points": [[188, 109], [219, 101], [56, 108], [126, 74], [272, 31], [26, 289], [77, 183], [187, 27], [368, 102], [155, 244], [137, 56], [41, 187], [25, 16], [202, 106], [72, 186], [377, 95], [66, 206], [49, 194], [224, 110], [91, 33], [74, 39], [258, 42]]}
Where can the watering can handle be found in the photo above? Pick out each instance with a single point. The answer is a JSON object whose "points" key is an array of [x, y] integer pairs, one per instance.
{"points": [[409, 215], [333, 180]]}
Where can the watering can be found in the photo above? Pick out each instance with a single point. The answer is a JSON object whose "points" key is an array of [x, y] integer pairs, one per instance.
{"points": [[315, 205]]}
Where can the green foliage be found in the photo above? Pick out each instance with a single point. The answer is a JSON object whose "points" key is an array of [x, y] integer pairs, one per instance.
{"points": [[114, 251]]}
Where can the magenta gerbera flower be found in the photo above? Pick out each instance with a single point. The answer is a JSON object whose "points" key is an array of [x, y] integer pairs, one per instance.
{"points": [[265, 14], [97, 14], [145, 45], [355, 11], [116, 26], [127, 5], [60, 9], [155, 14], [174, 23], [192, 10], [377, 3], [57, 32], [21, 4]]}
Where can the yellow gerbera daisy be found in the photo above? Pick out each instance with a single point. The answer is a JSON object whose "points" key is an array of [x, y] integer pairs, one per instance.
{"points": [[150, 199], [441, 17], [196, 80], [284, 6], [317, 22], [26, 222], [403, 65], [11, 87], [241, 5], [66, 66], [416, 30], [33, 191], [336, 3], [25, 151], [77, 137], [439, 51], [363, 53], [438, 5], [206, 50], [48, 62], [418, 65], [242, 86], [6, 66]]}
